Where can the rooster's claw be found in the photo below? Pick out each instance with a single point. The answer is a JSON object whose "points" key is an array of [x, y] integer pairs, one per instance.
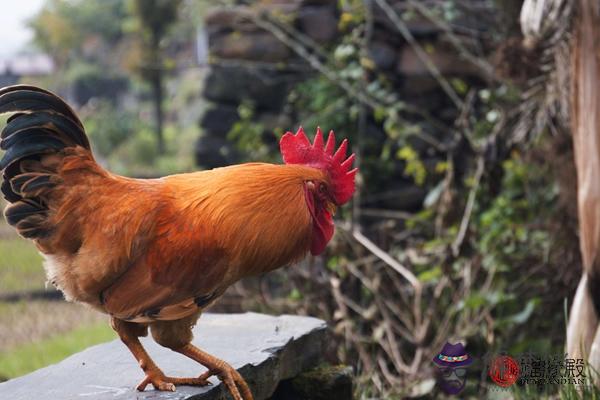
{"points": [[232, 380], [167, 383], [158, 382]]}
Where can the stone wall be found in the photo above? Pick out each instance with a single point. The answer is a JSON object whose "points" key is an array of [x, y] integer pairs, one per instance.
{"points": [[250, 63]]}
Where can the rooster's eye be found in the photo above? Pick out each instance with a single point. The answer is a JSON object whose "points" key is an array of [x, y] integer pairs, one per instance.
{"points": [[322, 188]]}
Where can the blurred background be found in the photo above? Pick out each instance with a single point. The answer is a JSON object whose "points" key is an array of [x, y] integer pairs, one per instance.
{"points": [[464, 226]]}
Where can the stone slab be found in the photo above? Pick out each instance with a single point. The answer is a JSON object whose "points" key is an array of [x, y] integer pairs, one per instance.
{"points": [[265, 349]]}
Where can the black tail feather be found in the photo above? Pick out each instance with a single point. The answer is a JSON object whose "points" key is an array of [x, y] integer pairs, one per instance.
{"points": [[37, 98], [31, 184], [30, 135], [21, 210], [28, 148], [42, 124], [8, 193], [33, 227], [56, 123]]}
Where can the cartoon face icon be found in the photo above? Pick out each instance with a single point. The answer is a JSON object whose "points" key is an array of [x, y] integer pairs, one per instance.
{"points": [[452, 380], [452, 363]]}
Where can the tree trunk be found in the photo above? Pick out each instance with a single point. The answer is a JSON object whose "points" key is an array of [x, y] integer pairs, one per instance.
{"points": [[157, 99], [157, 90], [583, 333]]}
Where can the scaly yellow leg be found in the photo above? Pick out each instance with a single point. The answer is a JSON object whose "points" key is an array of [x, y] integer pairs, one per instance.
{"points": [[232, 379], [129, 333]]}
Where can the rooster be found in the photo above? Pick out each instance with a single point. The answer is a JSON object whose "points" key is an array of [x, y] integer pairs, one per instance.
{"points": [[154, 253]]}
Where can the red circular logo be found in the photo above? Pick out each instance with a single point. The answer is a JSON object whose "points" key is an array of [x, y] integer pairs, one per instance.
{"points": [[504, 371]]}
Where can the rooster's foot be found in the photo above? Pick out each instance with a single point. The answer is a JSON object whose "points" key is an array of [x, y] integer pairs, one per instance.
{"points": [[232, 380], [167, 383]]}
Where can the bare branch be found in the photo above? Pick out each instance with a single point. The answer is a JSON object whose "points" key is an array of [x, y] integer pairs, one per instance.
{"points": [[464, 224], [386, 258], [410, 39], [479, 62]]}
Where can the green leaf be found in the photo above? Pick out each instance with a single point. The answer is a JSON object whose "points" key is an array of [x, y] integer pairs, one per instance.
{"points": [[295, 294], [431, 275]]}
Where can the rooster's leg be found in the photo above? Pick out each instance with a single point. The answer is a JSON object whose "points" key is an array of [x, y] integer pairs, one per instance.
{"points": [[177, 336], [236, 385], [129, 333]]}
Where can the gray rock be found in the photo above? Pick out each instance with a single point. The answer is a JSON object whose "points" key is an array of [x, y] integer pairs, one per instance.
{"points": [[226, 18], [417, 25], [318, 23], [447, 60], [321, 383], [214, 152], [400, 195], [232, 84], [256, 46], [272, 122], [320, 2], [422, 27], [278, 7], [420, 84], [265, 349], [218, 120], [383, 55]]}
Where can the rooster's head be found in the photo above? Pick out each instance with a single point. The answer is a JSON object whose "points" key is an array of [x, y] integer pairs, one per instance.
{"points": [[322, 197]]}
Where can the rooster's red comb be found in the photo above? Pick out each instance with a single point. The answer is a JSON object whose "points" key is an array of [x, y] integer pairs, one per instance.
{"points": [[297, 149]]}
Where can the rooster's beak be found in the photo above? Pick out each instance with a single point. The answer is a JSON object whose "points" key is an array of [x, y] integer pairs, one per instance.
{"points": [[331, 208]]}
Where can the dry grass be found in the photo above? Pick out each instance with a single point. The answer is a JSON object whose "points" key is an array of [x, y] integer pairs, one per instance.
{"points": [[35, 333], [28, 357], [32, 321], [20, 265]]}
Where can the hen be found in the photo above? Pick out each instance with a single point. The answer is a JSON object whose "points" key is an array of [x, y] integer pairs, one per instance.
{"points": [[154, 253]]}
